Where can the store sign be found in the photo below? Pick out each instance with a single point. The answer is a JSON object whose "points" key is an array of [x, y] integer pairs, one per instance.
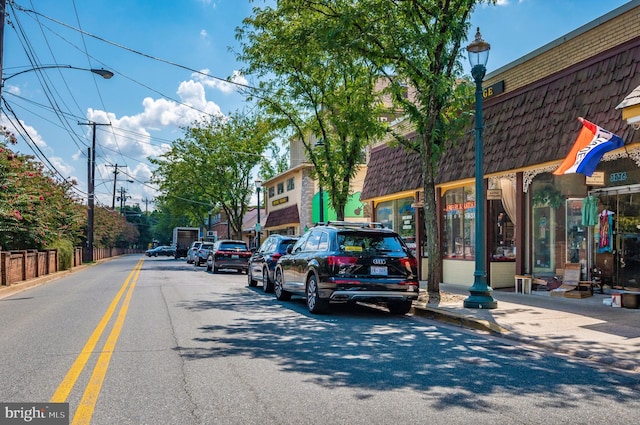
{"points": [[280, 201], [596, 179], [457, 207], [493, 90], [494, 194]]}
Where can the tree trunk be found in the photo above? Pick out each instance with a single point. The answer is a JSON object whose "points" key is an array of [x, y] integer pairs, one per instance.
{"points": [[434, 275]]}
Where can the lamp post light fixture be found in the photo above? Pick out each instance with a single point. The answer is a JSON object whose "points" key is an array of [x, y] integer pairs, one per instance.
{"points": [[480, 297], [258, 224], [104, 73]]}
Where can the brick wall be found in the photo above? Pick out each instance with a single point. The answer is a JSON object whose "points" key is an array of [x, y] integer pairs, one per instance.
{"points": [[569, 50]]}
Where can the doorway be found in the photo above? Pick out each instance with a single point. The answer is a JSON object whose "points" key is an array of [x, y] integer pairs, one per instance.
{"points": [[616, 239]]}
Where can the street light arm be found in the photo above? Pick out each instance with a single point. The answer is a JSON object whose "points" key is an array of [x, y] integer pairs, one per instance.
{"points": [[104, 73]]}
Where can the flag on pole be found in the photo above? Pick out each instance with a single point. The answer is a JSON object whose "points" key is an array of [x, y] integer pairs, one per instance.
{"points": [[587, 151]]}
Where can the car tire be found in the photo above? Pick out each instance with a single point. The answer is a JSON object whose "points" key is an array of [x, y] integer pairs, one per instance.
{"points": [[214, 269], [267, 284], [252, 282], [196, 262], [315, 305], [399, 307], [281, 294]]}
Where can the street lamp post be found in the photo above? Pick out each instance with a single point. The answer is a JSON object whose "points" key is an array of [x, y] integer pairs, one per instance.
{"points": [[258, 224], [106, 74], [480, 292]]}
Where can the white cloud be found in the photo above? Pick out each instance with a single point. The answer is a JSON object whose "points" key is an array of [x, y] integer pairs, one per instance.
{"points": [[219, 84], [203, 33]]}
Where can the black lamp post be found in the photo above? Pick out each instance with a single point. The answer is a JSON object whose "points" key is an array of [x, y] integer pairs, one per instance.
{"points": [[480, 292], [258, 224]]}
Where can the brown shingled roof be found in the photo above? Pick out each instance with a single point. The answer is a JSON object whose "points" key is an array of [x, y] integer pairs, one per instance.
{"points": [[391, 170], [538, 123], [287, 215]]}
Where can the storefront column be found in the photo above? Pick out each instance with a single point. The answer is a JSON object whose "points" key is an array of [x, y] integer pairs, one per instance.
{"points": [[521, 225]]}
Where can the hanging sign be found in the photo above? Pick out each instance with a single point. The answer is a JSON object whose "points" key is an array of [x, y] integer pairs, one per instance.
{"points": [[596, 179], [494, 194]]}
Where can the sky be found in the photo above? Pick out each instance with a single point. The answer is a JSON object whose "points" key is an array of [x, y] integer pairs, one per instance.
{"points": [[160, 52]]}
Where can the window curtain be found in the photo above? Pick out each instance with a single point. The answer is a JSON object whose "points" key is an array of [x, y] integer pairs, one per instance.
{"points": [[508, 188]]}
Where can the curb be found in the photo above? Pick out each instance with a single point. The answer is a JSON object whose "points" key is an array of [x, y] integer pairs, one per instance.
{"points": [[462, 320], [471, 322]]}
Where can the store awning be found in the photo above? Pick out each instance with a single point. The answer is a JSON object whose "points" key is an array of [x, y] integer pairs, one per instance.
{"points": [[287, 215]]}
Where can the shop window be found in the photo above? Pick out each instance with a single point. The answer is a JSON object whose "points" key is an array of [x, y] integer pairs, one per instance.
{"points": [[280, 188], [290, 184], [546, 201], [399, 215], [271, 192], [459, 222]]}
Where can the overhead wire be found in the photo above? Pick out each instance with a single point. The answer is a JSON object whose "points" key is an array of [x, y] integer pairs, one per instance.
{"points": [[115, 130]]}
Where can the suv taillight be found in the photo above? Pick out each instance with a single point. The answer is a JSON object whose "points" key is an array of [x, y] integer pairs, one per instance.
{"points": [[409, 262], [275, 256], [335, 260]]}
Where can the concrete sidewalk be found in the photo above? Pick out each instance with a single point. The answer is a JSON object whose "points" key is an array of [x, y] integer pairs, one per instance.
{"points": [[585, 328]]}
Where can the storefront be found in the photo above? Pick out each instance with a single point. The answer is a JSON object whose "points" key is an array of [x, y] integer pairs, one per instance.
{"points": [[595, 223]]}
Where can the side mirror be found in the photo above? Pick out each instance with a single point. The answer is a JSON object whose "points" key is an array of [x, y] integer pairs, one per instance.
{"points": [[289, 248]]}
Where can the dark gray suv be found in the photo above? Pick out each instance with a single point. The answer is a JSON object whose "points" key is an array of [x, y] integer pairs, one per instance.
{"points": [[262, 263], [341, 262]]}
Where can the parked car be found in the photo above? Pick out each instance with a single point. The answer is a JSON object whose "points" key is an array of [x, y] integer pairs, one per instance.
{"points": [[262, 263], [229, 254], [202, 253], [341, 262], [162, 250], [191, 253]]}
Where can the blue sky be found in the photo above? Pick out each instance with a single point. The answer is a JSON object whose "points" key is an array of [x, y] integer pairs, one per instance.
{"points": [[152, 46]]}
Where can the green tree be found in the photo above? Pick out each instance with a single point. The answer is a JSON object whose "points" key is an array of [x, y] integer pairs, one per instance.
{"points": [[416, 44], [211, 166], [323, 93]]}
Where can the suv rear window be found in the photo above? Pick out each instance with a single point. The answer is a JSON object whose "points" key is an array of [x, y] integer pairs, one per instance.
{"points": [[231, 246], [365, 242]]}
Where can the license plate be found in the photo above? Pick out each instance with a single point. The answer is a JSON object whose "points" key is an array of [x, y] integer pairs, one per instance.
{"points": [[379, 270], [235, 257]]}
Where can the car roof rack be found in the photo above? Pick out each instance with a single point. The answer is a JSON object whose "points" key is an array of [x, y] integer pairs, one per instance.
{"points": [[361, 225]]}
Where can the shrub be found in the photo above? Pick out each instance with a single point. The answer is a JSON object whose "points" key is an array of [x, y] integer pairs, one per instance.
{"points": [[65, 253]]}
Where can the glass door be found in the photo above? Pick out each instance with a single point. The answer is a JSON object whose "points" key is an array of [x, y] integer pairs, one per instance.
{"points": [[544, 240], [628, 241]]}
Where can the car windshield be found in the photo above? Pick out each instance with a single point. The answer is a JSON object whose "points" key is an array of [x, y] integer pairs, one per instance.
{"points": [[206, 246], [362, 242], [233, 246]]}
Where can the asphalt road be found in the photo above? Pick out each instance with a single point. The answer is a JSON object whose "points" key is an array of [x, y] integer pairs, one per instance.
{"points": [[139, 340]]}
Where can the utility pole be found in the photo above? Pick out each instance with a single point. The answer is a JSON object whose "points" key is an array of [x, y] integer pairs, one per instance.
{"points": [[90, 201], [146, 205], [123, 199], [115, 179], [3, 12]]}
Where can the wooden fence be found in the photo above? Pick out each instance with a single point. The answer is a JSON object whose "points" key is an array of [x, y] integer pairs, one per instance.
{"points": [[18, 266]]}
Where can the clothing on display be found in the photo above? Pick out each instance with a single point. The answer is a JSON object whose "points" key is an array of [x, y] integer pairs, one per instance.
{"points": [[590, 211]]}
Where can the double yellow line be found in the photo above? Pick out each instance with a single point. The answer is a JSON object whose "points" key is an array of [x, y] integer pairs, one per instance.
{"points": [[84, 412]]}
